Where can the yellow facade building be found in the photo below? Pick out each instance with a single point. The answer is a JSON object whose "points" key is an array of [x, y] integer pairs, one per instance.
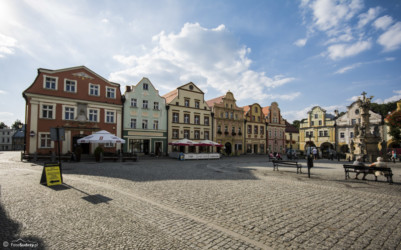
{"points": [[228, 124], [188, 117], [318, 130], [255, 129]]}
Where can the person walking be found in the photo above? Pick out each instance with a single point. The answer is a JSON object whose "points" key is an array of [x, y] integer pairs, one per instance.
{"points": [[314, 152]]}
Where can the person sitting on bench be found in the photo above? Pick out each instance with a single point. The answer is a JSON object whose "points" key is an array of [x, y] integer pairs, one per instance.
{"points": [[379, 163], [358, 162]]}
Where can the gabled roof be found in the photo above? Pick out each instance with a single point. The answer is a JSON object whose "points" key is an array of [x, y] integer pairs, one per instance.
{"points": [[246, 109], [213, 101], [266, 110], [170, 96]]}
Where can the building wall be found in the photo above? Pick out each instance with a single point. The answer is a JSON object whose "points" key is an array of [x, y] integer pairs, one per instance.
{"points": [[255, 142], [177, 105], [322, 127], [346, 122], [6, 140], [228, 115], [275, 129], [140, 139], [80, 102]]}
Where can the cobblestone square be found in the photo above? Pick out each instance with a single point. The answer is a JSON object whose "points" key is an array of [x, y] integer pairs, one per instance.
{"points": [[231, 203]]}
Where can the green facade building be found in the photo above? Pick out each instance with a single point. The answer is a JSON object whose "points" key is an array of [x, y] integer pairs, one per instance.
{"points": [[145, 120]]}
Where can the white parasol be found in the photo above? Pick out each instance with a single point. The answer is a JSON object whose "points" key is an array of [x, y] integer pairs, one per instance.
{"points": [[101, 137]]}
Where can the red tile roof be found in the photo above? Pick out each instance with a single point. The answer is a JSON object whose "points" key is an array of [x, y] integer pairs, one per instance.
{"points": [[213, 101], [171, 95]]}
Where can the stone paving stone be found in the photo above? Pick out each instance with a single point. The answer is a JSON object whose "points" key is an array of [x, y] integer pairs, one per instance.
{"points": [[233, 203]]}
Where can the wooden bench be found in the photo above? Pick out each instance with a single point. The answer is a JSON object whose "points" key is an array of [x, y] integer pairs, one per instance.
{"points": [[368, 170], [287, 164], [129, 156], [109, 156]]}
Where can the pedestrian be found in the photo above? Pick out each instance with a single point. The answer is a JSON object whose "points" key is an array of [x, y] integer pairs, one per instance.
{"points": [[394, 155], [314, 152]]}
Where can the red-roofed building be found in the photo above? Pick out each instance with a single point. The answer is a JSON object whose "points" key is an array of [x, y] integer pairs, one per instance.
{"points": [[275, 139], [228, 123], [76, 99]]}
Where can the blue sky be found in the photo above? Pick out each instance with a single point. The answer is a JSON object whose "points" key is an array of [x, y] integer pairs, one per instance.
{"points": [[297, 53]]}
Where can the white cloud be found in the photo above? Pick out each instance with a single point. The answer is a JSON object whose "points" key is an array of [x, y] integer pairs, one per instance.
{"points": [[301, 42], [369, 16], [207, 57], [383, 22], [391, 39], [2, 92], [339, 51], [348, 68], [7, 45], [329, 14], [394, 98], [354, 98]]}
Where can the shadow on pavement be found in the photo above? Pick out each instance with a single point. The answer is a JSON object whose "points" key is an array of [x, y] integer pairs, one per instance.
{"points": [[9, 234]]}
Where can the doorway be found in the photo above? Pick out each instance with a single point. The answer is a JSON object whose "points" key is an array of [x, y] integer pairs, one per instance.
{"points": [[255, 148], [228, 148], [158, 148], [84, 146]]}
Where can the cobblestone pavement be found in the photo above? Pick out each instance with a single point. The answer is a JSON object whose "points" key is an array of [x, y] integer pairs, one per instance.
{"points": [[232, 203]]}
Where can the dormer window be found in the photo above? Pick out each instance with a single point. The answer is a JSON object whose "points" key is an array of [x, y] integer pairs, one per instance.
{"points": [[110, 92], [357, 111], [70, 86], [145, 86], [191, 87], [94, 90], [50, 83]]}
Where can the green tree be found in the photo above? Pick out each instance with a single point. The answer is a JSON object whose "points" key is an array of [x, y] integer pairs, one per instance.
{"points": [[2, 125], [296, 123], [16, 124], [383, 109], [394, 122]]}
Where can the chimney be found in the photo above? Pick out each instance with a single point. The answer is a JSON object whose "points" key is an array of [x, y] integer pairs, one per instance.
{"points": [[336, 113], [127, 88]]}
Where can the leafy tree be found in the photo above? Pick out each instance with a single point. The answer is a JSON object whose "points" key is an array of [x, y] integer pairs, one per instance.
{"points": [[394, 122], [16, 124], [2, 125], [296, 123], [383, 109]]}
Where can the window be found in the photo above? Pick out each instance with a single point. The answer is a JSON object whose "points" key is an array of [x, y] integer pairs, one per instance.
{"points": [[233, 129], [206, 120], [69, 113], [351, 134], [175, 117], [226, 114], [186, 118], [186, 134], [145, 124], [239, 130], [231, 115], [206, 135], [258, 118], [357, 111], [326, 133], [197, 119], [312, 123], [146, 86], [133, 102], [262, 130], [50, 83], [186, 102], [219, 128], [275, 133], [316, 116], [221, 115], [156, 125], [109, 116], [109, 145], [197, 105], [256, 109], [93, 115], [320, 133], [145, 104], [226, 129], [255, 130], [175, 133], [320, 122], [70, 86], [306, 134], [47, 111], [342, 135], [45, 141], [249, 129], [110, 92], [94, 90], [236, 116], [133, 123], [353, 121], [197, 134], [253, 118], [156, 105]]}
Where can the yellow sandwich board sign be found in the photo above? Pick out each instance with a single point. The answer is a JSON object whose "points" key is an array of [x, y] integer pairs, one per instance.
{"points": [[51, 174]]}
